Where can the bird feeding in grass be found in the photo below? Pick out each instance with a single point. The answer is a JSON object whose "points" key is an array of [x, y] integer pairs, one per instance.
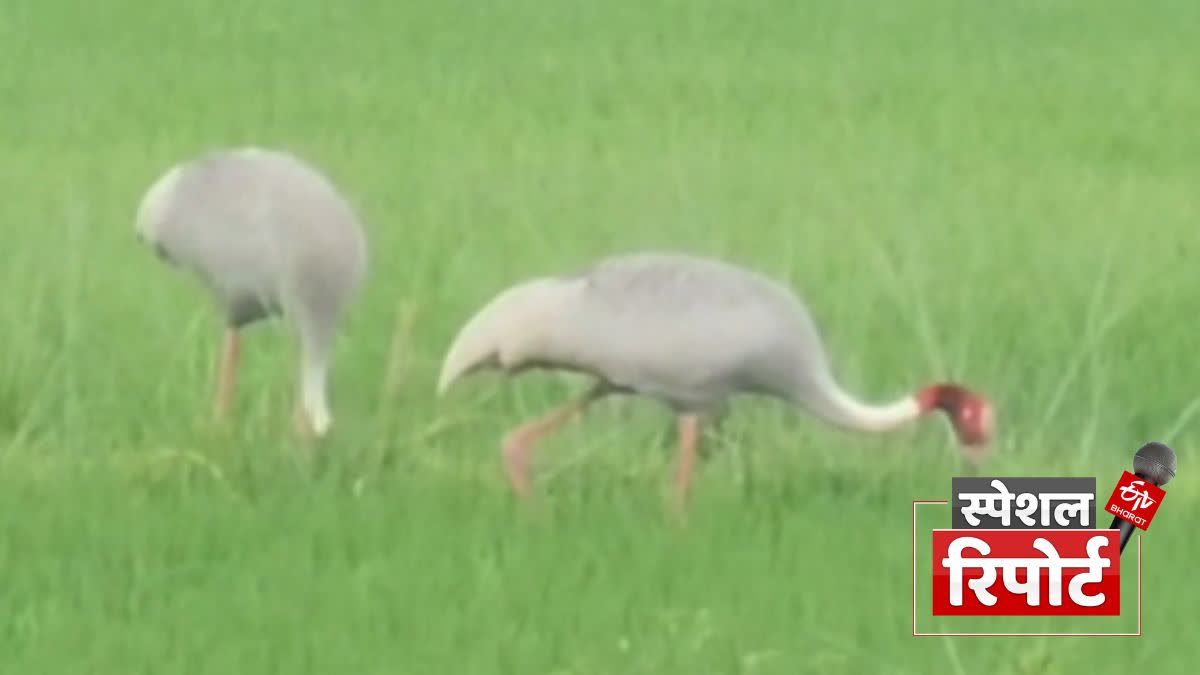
{"points": [[689, 331], [269, 235]]}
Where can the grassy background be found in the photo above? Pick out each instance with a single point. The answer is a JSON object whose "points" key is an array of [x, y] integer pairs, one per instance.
{"points": [[1002, 193]]}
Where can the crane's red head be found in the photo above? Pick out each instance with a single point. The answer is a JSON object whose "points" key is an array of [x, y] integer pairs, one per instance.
{"points": [[970, 413]]}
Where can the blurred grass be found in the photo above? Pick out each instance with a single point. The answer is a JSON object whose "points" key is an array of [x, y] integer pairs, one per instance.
{"points": [[1003, 194]]}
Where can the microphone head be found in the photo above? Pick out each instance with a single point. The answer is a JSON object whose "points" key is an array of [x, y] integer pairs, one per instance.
{"points": [[1155, 462]]}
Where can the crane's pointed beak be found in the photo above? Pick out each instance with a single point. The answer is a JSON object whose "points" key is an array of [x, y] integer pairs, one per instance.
{"points": [[975, 455], [311, 427]]}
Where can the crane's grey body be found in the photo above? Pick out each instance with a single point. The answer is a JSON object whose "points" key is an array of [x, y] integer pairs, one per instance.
{"points": [[268, 234], [262, 230], [688, 330]]}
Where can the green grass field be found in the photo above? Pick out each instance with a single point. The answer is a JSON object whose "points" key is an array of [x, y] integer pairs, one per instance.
{"points": [[1000, 193]]}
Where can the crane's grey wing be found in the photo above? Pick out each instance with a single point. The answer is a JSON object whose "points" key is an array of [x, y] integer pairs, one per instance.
{"points": [[259, 227], [692, 330]]}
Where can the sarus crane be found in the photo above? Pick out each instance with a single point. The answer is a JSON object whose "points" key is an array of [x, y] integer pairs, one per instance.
{"points": [[269, 235], [688, 330]]}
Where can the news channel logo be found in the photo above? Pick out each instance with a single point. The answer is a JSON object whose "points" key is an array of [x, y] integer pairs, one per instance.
{"points": [[1030, 546]]}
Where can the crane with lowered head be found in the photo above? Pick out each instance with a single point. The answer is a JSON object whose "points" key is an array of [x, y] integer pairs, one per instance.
{"points": [[688, 330], [268, 235]]}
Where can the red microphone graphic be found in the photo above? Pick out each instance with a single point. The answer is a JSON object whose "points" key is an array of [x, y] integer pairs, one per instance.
{"points": [[1137, 496]]}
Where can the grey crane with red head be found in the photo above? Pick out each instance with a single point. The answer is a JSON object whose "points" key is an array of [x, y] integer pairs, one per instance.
{"points": [[690, 331], [269, 235]]}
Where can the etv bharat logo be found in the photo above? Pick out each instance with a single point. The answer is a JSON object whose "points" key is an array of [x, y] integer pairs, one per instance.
{"points": [[1029, 546], [1135, 500]]}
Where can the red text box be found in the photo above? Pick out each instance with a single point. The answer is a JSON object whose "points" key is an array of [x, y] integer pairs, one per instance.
{"points": [[1026, 572]]}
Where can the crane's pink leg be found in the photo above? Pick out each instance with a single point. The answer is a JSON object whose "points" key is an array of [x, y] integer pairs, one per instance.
{"points": [[519, 443], [689, 438], [226, 375]]}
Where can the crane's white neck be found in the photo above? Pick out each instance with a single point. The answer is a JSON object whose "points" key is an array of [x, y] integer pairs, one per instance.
{"points": [[843, 410], [313, 399]]}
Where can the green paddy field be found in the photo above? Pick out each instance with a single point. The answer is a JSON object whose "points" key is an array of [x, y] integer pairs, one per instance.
{"points": [[1006, 194]]}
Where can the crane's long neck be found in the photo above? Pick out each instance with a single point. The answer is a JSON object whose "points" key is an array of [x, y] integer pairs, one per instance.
{"points": [[314, 375], [836, 406], [969, 413], [313, 398]]}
